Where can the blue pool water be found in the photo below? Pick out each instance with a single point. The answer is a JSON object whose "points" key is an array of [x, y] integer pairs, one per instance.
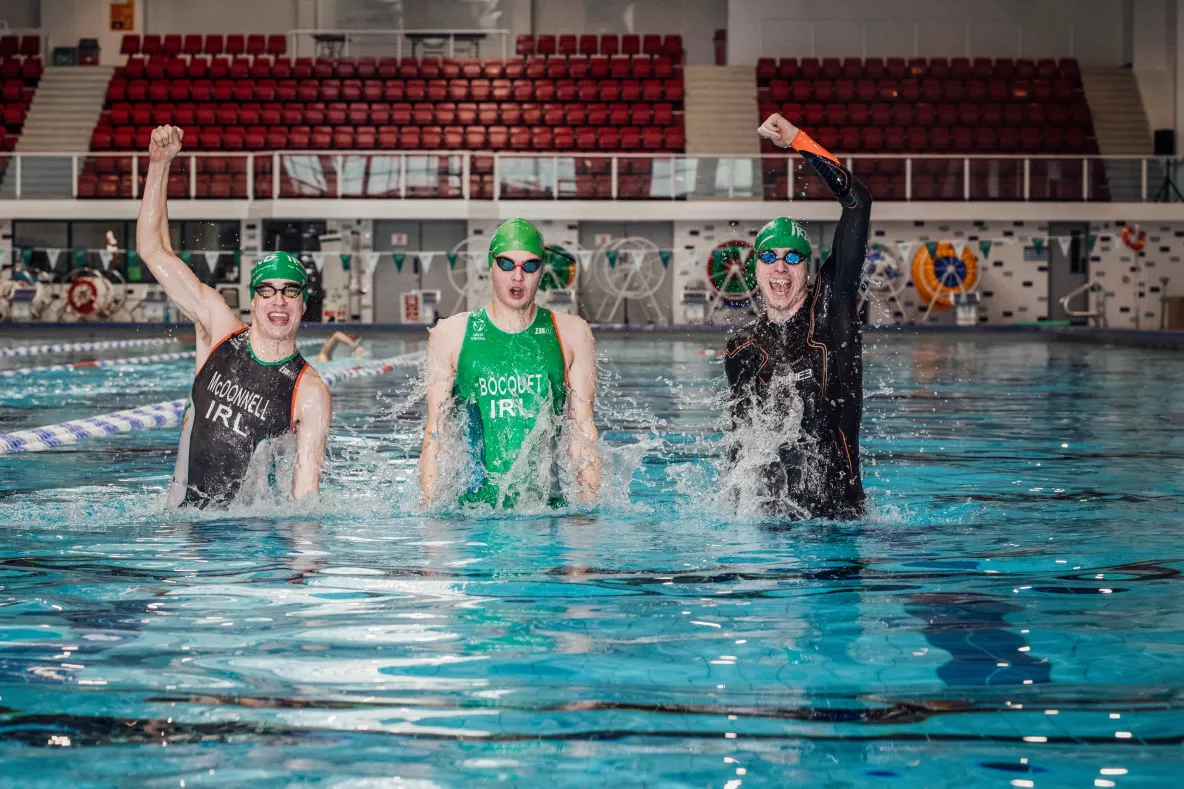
{"points": [[1011, 614]]}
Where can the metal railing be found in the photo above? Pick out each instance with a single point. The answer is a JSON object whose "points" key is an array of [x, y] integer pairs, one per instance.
{"points": [[378, 43], [468, 175]]}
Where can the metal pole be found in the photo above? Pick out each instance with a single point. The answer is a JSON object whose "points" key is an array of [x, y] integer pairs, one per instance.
{"points": [[672, 181], [554, 177], [19, 157], [74, 176], [250, 176], [731, 176], [497, 177], [275, 176], [1085, 180], [1027, 179], [1143, 192], [192, 177], [339, 166], [966, 179], [908, 179], [614, 176], [403, 177], [136, 178], [465, 169], [789, 185]]}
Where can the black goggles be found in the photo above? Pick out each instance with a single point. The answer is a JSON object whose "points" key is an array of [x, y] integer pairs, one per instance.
{"points": [[792, 258], [528, 266], [266, 291]]}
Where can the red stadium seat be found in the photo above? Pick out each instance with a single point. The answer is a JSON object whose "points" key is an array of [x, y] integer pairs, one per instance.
{"points": [[236, 44], [151, 44], [610, 44], [214, 44], [277, 44], [630, 44]]}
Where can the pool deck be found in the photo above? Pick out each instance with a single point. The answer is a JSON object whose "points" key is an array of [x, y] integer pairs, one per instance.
{"points": [[1134, 338]]}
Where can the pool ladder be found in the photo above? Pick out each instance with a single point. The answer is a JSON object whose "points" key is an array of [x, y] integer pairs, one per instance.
{"points": [[1098, 314]]}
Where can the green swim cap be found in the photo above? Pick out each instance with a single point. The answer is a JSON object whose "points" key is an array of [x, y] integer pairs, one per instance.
{"points": [[279, 265], [516, 235], [783, 233]]}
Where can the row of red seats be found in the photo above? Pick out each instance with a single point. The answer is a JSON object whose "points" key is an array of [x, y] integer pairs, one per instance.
{"points": [[965, 114], [160, 67], [917, 68], [26, 46], [213, 44], [29, 70], [495, 138], [395, 90], [398, 114], [605, 44], [866, 90], [14, 91], [13, 116], [960, 139]]}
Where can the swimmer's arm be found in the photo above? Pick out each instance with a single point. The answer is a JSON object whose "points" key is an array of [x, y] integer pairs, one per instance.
{"points": [[330, 345], [439, 373], [581, 399], [314, 410], [200, 302]]}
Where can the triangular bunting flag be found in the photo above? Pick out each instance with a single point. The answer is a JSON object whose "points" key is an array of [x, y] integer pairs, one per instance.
{"points": [[238, 257], [345, 259], [665, 255], [984, 246], [318, 260], [959, 248], [611, 256], [585, 256], [133, 258], [426, 259], [452, 258], [106, 255], [1065, 243], [637, 257], [906, 250], [50, 253], [372, 261], [931, 248], [478, 259], [1038, 244], [399, 257], [823, 253], [1091, 239], [26, 255], [185, 254], [212, 259]]}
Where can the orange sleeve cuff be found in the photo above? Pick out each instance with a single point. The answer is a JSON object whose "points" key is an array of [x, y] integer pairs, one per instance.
{"points": [[804, 143]]}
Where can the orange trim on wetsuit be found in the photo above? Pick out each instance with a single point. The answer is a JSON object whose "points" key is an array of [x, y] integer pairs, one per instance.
{"points": [[804, 143]]}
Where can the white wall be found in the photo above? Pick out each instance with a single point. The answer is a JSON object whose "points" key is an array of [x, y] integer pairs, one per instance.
{"points": [[695, 20], [1091, 30], [63, 22], [20, 14], [1154, 59]]}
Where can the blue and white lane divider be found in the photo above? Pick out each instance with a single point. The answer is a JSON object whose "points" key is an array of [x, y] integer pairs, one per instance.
{"points": [[72, 347], [167, 414], [150, 359]]}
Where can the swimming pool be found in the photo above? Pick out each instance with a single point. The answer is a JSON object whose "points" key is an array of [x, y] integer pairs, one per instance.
{"points": [[1010, 615]]}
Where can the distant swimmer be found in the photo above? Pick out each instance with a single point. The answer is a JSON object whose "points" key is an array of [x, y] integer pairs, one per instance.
{"points": [[340, 338], [252, 386], [511, 371], [810, 336]]}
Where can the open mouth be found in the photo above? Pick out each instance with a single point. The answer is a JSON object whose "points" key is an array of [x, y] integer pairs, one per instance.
{"points": [[278, 319], [779, 288], [517, 292]]}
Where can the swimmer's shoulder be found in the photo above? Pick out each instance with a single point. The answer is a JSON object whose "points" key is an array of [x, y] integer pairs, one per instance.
{"points": [[448, 334], [742, 335]]}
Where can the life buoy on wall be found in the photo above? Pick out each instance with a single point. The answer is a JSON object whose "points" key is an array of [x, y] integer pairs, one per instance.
{"points": [[937, 280], [90, 295], [1134, 238], [731, 271]]}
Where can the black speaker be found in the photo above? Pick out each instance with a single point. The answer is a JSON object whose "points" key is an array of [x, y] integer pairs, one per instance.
{"points": [[1165, 142]]}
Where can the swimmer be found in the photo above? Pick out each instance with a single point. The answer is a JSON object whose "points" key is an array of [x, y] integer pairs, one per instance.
{"points": [[812, 333], [252, 385], [339, 337], [511, 365]]}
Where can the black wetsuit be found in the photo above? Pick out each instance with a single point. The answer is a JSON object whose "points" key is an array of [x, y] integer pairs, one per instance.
{"points": [[822, 344], [237, 402]]}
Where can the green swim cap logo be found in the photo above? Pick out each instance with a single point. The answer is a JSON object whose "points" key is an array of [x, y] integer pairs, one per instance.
{"points": [[783, 233], [279, 265], [516, 235]]}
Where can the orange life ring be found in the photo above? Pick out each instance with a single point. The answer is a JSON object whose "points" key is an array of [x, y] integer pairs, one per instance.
{"points": [[938, 280], [83, 296], [1134, 238]]}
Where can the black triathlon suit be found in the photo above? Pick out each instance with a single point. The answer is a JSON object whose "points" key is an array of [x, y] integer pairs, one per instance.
{"points": [[237, 402], [822, 345]]}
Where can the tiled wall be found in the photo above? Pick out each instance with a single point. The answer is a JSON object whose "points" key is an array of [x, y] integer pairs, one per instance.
{"points": [[1133, 279]]}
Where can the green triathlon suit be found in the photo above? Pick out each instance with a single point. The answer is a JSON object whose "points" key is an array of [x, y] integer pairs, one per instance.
{"points": [[507, 381]]}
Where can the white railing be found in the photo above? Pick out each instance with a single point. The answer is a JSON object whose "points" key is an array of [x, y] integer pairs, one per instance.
{"points": [[468, 175], [477, 42]]}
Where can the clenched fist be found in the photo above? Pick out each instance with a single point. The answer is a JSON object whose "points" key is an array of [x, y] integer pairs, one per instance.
{"points": [[166, 143], [779, 130]]}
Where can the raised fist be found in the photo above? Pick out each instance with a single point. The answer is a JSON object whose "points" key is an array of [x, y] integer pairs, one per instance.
{"points": [[166, 143], [779, 130]]}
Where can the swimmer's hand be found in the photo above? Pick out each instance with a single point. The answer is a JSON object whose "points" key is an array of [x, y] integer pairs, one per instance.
{"points": [[779, 130], [166, 143]]}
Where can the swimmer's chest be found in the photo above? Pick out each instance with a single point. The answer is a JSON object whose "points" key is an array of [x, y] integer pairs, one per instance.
{"points": [[511, 376], [238, 400]]}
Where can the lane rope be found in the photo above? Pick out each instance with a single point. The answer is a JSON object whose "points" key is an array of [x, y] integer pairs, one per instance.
{"points": [[72, 347], [166, 414], [150, 359]]}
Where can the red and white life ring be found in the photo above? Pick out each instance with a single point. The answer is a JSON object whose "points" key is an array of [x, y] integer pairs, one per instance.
{"points": [[1134, 238]]}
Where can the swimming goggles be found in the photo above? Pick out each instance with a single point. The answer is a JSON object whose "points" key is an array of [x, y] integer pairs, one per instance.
{"points": [[266, 291], [792, 258], [528, 267]]}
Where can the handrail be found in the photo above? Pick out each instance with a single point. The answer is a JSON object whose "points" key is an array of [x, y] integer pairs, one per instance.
{"points": [[1099, 310], [398, 35]]}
